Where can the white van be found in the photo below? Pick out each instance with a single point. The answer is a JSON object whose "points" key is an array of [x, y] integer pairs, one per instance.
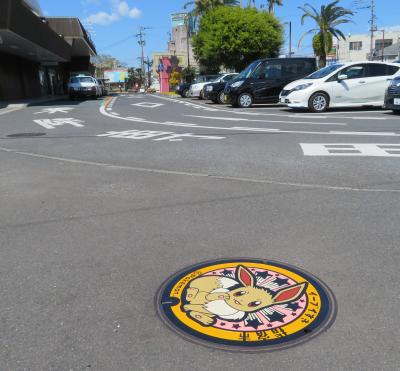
{"points": [[83, 86], [353, 84]]}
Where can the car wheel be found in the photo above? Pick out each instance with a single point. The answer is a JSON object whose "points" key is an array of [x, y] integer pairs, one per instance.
{"points": [[245, 100], [201, 95], [319, 102], [185, 93], [221, 97], [396, 112]]}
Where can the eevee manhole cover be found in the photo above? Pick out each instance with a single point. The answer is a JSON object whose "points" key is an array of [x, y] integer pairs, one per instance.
{"points": [[246, 304]]}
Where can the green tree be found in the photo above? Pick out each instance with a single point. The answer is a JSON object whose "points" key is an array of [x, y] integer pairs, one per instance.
{"points": [[202, 6], [271, 5], [318, 47], [188, 74], [326, 21], [233, 37]]}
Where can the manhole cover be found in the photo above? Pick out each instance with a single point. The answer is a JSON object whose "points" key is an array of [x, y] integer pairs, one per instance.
{"points": [[246, 304], [25, 135]]}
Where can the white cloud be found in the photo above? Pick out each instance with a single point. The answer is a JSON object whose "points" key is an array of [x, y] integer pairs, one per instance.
{"points": [[119, 9], [135, 13]]}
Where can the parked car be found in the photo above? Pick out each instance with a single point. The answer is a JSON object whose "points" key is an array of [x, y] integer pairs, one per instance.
{"points": [[263, 80], [103, 87], [183, 89], [392, 97], [215, 90], [83, 86], [196, 89], [353, 84]]}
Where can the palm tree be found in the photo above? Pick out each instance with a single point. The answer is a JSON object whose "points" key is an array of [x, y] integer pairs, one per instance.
{"points": [[271, 4], [326, 21], [202, 6]]}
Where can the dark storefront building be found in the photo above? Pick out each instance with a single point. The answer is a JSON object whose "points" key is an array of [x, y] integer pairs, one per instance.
{"points": [[37, 54]]}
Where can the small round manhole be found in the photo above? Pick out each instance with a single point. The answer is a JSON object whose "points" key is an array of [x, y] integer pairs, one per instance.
{"points": [[25, 135], [246, 304]]}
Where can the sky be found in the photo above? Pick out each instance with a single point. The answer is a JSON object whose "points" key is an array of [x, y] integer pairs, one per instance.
{"points": [[113, 24]]}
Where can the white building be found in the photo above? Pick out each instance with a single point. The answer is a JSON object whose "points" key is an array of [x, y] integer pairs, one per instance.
{"points": [[182, 28], [357, 47]]}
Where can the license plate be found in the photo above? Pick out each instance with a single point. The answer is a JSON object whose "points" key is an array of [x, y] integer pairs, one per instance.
{"points": [[396, 101]]}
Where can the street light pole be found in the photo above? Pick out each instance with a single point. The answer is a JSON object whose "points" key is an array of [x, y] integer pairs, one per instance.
{"points": [[290, 38]]}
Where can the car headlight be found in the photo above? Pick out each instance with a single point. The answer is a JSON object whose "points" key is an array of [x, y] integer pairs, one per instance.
{"points": [[395, 82], [209, 88], [237, 84], [301, 87]]}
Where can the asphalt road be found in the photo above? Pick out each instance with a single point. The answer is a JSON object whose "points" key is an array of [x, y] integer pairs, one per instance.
{"points": [[101, 203]]}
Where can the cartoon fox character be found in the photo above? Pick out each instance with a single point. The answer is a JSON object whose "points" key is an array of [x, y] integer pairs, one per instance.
{"points": [[210, 297]]}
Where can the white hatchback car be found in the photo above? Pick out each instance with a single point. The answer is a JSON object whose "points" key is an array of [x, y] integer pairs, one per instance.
{"points": [[353, 84]]}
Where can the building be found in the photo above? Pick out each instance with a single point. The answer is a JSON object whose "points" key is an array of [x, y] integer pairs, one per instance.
{"points": [[358, 47], [38, 54], [180, 42]]}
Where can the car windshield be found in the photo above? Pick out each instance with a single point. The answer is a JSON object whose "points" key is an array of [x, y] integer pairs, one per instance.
{"points": [[85, 79], [324, 72], [247, 71]]}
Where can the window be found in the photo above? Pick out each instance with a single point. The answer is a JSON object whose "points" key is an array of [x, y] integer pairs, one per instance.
{"points": [[379, 42], [269, 71], [324, 72], [291, 69], [355, 72], [375, 70], [228, 77], [391, 70], [355, 45]]}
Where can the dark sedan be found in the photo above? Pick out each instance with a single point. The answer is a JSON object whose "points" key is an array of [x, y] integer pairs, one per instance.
{"points": [[392, 97], [215, 90]]}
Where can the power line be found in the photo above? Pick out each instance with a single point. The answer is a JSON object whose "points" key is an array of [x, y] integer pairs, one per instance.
{"points": [[117, 43]]}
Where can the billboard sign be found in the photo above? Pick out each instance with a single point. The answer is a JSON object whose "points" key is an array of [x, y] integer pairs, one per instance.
{"points": [[116, 75]]}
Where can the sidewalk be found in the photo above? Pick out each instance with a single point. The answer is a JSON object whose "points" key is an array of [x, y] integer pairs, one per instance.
{"points": [[15, 105]]}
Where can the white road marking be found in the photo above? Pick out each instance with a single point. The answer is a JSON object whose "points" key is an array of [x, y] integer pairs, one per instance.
{"points": [[267, 121], [289, 115], [52, 123], [201, 175], [157, 135], [351, 149], [53, 110], [147, 104], [249, 129]]}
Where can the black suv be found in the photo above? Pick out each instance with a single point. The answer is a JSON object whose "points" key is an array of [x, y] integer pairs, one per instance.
{"points": [[392, 97], [215, 90], [263, 80]]}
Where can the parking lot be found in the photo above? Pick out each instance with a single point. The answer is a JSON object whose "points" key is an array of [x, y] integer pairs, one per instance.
{"points": [[105, 199]]}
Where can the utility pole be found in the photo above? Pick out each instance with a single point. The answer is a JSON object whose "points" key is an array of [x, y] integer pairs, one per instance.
{"points": [[187, 21], [141, 41], [290, 39], [373, 28]]}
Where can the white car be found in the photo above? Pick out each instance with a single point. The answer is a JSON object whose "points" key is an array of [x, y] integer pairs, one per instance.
{"points": [[353, 84], [84, 86], [196, 90]]}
